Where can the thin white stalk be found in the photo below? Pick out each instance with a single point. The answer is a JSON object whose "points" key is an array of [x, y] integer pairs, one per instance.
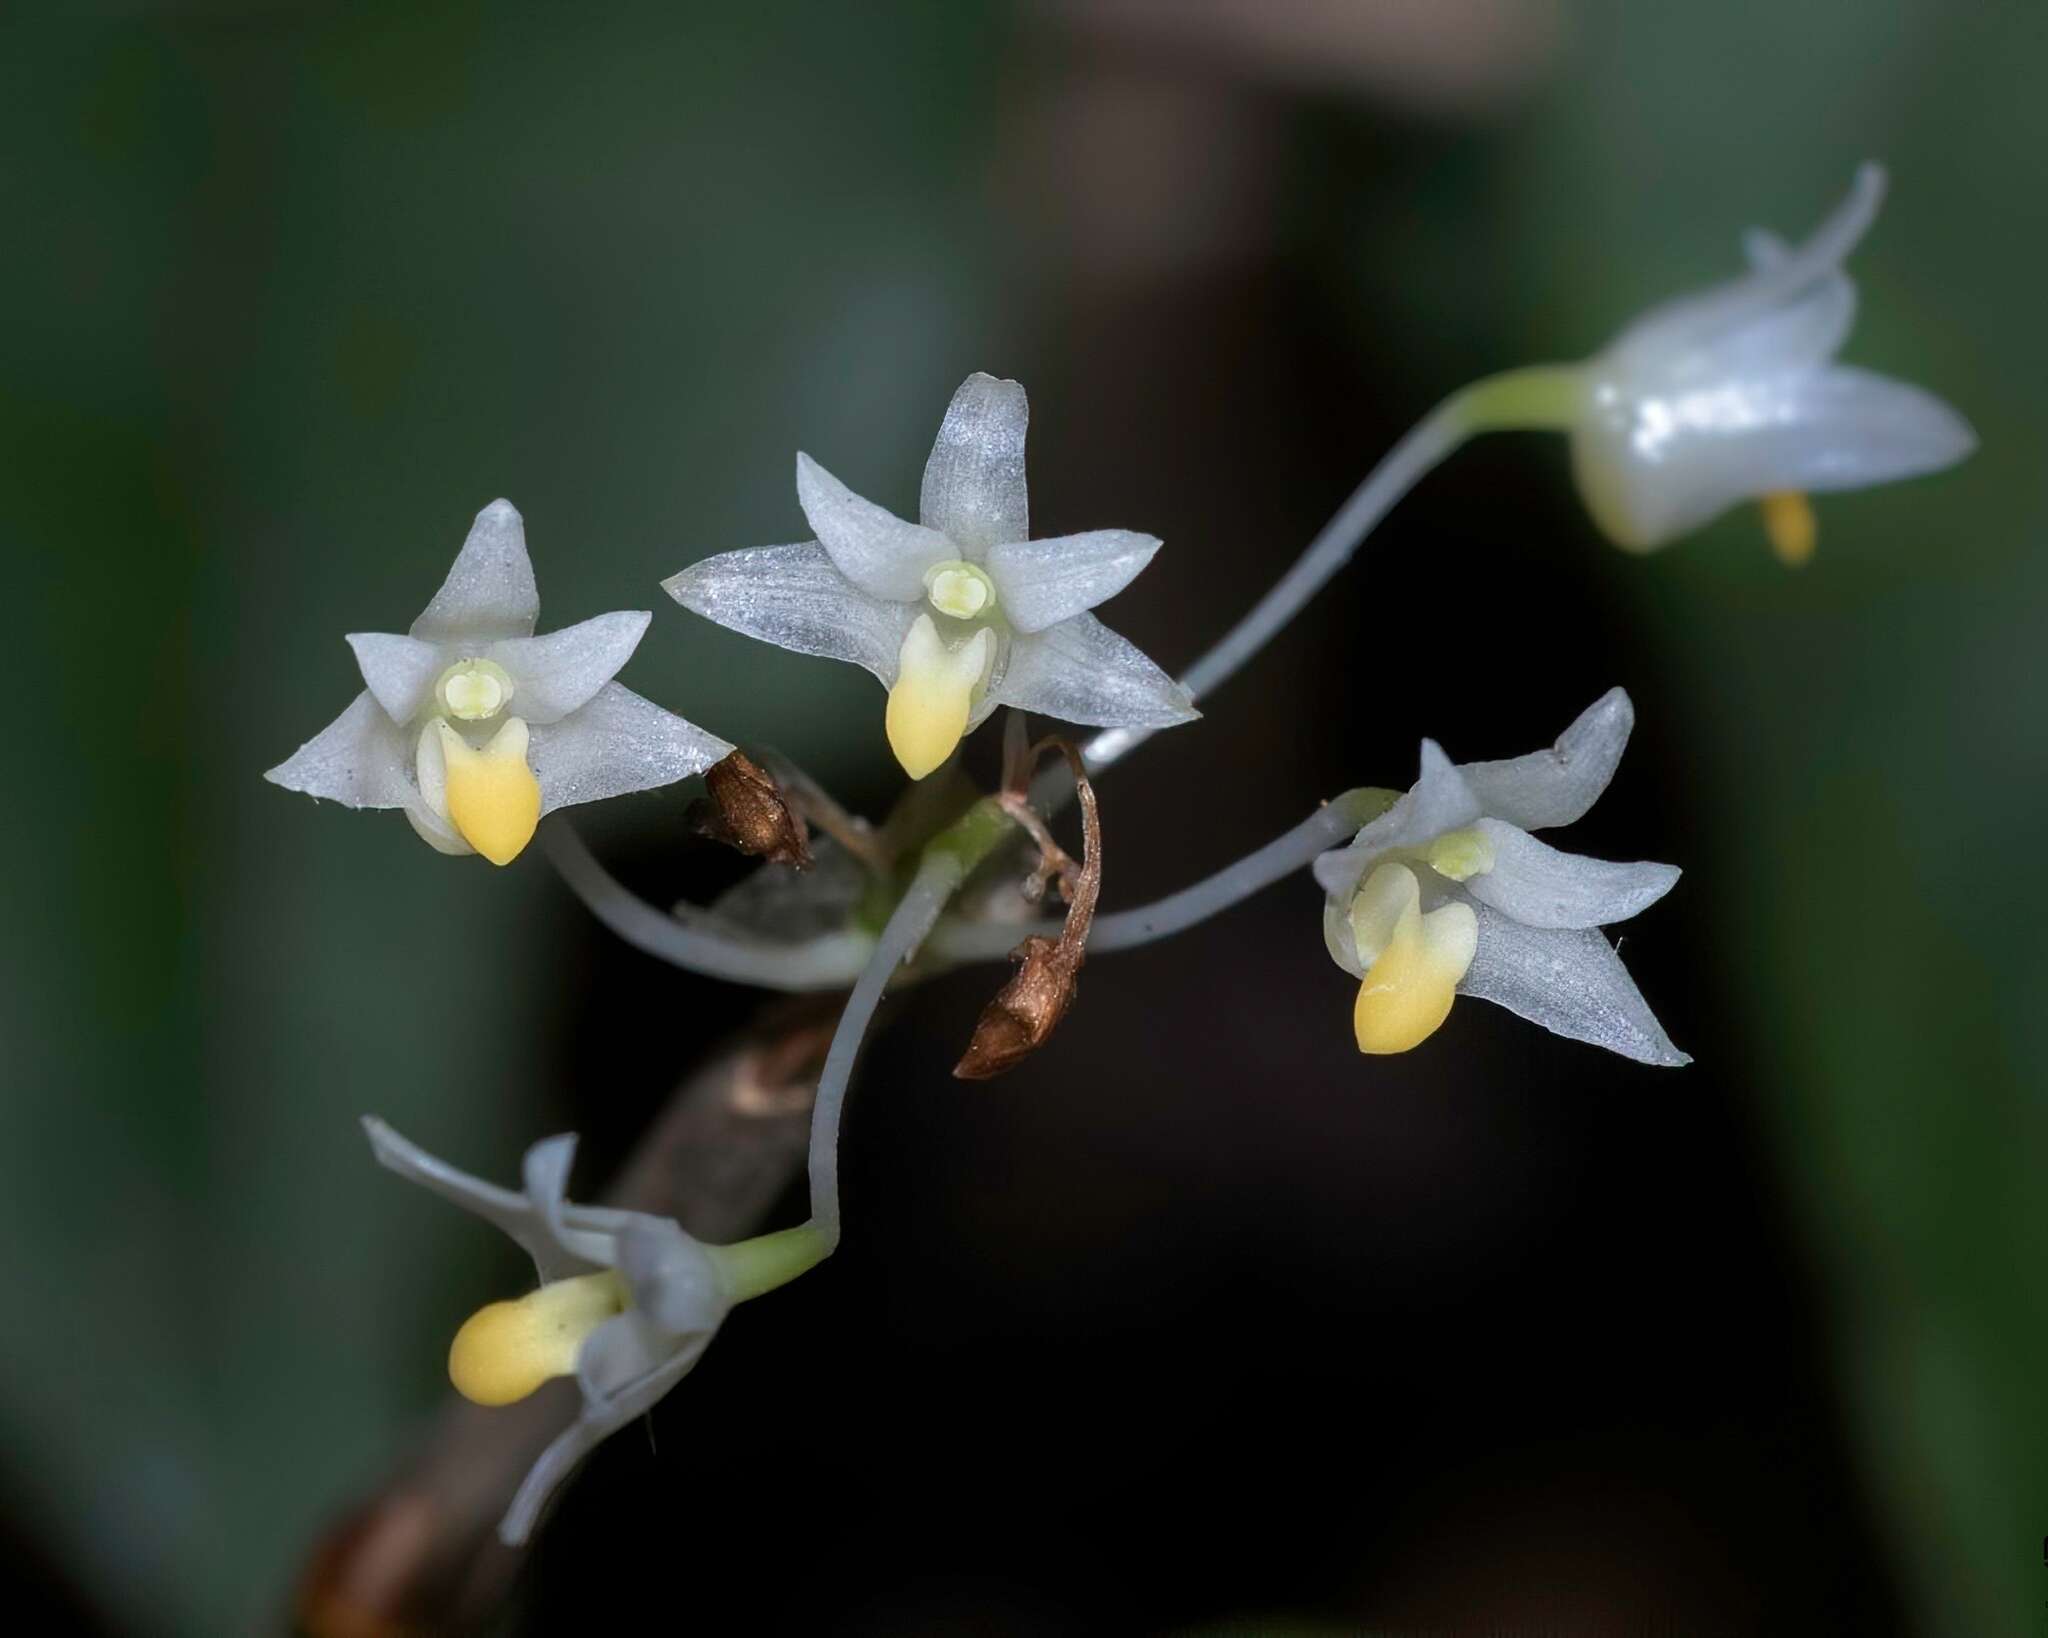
{"points": [[938, 878], [1329, 826], [828, 962], [1425, 444]]}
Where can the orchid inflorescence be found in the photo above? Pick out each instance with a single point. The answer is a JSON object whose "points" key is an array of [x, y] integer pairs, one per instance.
{"points": [[476, 729]]}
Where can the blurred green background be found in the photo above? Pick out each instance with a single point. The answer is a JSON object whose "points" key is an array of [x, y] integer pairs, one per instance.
{"points": [[292, 289]]}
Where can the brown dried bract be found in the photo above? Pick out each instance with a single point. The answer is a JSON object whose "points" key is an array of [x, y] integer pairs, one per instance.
{"points": [[1029, 1007], [747, 810]]}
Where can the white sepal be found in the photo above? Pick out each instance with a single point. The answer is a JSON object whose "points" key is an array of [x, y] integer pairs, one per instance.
{"points": [[359, 758], [1081, 671], [793, 597], [489, 592], [1571, 982], [974, 489], [617, 743]]}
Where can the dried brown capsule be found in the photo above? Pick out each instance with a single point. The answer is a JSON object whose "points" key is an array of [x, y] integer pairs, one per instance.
{"points": [[748, 810]]}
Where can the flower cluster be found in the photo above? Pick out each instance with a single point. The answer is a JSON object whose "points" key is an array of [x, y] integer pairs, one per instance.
{"points": [[475, 728]]}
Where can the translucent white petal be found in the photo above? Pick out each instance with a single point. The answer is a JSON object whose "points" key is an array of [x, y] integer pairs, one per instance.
{"points": [[1654, 468], [1041, 582], [1439, 801], [555, 674], [617, 743], [974, 482], [1556, 786], [1571, 982], [359, 759], [1081, 671], [400, 671], [1541, 886], [512, 1214], [606, 1409], [489, 593], [793, 597], [880, 553]]}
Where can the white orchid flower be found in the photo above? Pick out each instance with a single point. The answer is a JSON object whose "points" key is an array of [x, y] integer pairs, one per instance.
{"points": [[627, 1303], [476, 728], [1732, 394], [1446, 893], [959, 612]]}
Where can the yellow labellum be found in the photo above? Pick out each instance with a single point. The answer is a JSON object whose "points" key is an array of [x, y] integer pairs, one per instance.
{"points": [[1790, 526], [1414, 960], [934, 694], [505, 1350], [493, 798]]}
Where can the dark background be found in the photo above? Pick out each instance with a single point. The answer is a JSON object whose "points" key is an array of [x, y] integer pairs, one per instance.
{"points": [[1199, 1318]]}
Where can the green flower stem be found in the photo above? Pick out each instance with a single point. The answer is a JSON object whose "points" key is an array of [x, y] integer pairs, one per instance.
{"points": [[1543, 397], [754, 1267]]}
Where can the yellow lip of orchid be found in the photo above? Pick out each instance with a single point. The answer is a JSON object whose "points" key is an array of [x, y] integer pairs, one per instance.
{"points": [[492, 795], [1413, 961], [506, 1350], [933, 697]]}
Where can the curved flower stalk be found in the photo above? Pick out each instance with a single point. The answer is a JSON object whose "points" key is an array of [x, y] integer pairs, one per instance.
{"points": [[1733, 394], [1446, 893], [959, 612], [476, 728], [627, 1303]]}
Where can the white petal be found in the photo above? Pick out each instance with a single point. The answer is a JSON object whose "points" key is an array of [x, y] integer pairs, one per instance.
{"points": [[1654, 468], [1540, 886], [512, 1214], [617, 743], [359, 759], [793, 597], [489, 593], [1439, 801], [1571, 982], [1556, 786], [974, 481], [555, 674], [875, 549], [400, 671], [1081, 671], [1041, 582], [602, 1416]]}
